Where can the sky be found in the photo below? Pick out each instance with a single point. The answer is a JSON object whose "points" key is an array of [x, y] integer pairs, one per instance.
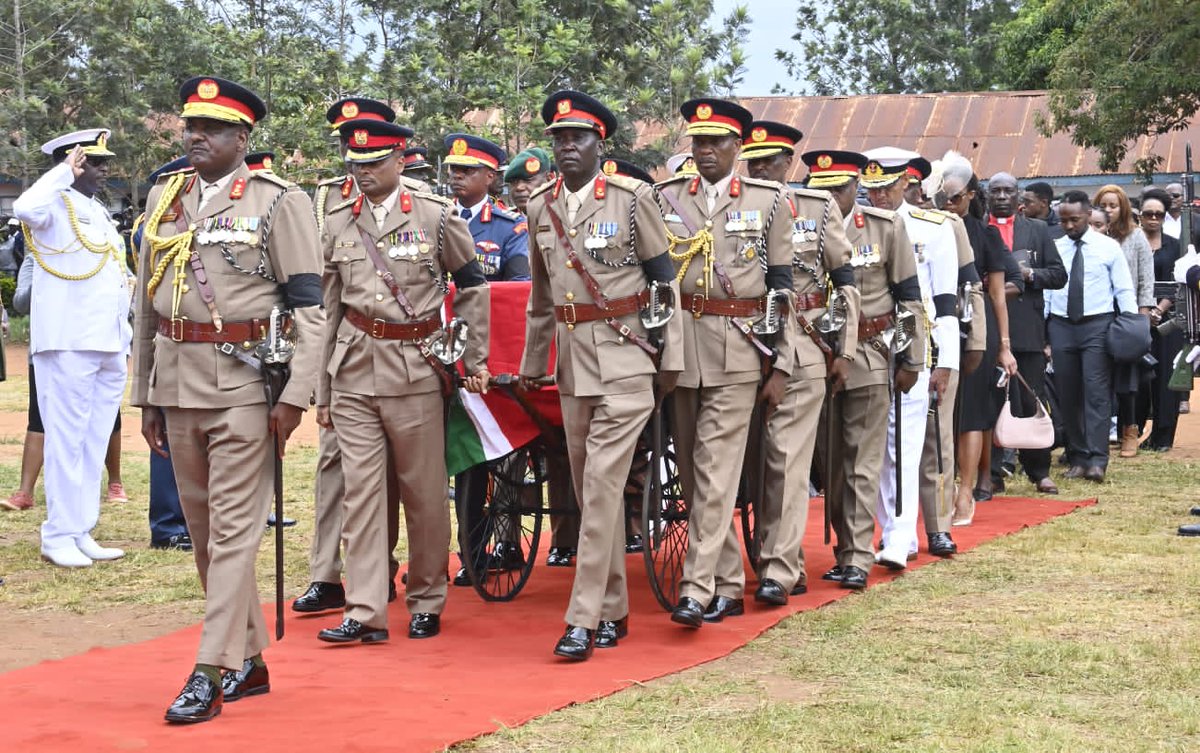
{"points": [[771, 27]]}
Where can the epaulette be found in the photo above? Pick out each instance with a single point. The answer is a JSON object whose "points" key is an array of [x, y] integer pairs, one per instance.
{"points": [[343, 205], [187, 169], [542, 188], [624, 181], [808, 193], [271, 177], [507, 214], [922, 214], [435, 197], [413, 184], [770, 184], [883, 214], [673, 179], [331, 181]]}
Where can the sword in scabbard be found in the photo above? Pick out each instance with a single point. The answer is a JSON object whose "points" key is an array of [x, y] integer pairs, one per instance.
{"points": [[275, 355]]}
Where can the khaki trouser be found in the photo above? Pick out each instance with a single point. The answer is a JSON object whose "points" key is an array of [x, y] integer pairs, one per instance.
{"points": [[937, 490], [414, 427], [224, 471], [601, 434], [710, 425], [860, 419]]}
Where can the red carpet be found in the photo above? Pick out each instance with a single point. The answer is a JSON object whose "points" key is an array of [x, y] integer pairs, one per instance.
{"points": [[491, 666]]}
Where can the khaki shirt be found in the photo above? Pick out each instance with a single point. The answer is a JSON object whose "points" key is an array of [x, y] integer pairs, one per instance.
{"points": [[193, 374], [882, 257], [420, 242], [817, 229], [617, 227], [744, 226]]}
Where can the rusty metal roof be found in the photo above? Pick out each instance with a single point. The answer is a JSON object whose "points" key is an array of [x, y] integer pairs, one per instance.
{"points": [[995, 130]]}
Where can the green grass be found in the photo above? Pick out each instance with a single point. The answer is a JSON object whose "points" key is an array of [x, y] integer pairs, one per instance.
{"points": [[1079, 635]]}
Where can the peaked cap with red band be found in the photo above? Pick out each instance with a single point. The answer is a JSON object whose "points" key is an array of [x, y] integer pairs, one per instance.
{"points": [[358, 108], [829, 168], [766, 138], [571, 109], [466, 150], [415, 158], [628, 169], [217, 99], [373, 140], [260, 161], [715, 117]]}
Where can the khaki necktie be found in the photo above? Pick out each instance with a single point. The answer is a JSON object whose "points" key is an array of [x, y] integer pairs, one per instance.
{"points": [[710, 196], [380, 213], [573, 205]]}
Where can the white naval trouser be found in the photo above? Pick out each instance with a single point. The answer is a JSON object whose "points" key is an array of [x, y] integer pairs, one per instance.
{"points": [[901, 532], [79, 394]]}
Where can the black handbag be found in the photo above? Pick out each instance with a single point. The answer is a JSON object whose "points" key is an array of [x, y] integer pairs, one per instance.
{"points": [[1128, 337]]}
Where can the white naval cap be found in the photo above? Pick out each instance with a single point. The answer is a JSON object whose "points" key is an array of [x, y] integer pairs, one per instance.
{"points": [[93, 140]]}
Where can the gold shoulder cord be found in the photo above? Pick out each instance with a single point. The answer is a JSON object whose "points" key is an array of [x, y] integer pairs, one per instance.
{"points": [[174, 249], [700, 243], [104, 251], [319, 208]]}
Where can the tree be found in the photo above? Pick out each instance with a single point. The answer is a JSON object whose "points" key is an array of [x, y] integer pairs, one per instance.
{"points": [[891, 46], [1118, 70]]}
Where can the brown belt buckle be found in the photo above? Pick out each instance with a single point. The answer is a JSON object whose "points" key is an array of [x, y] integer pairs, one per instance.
{"points": [[378, 327], [569, 316], [177, 330], [697, 310]]}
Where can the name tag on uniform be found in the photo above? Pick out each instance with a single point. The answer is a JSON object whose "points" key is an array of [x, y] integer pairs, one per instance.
{"points": [[804, 229], [345, 244], [736, 222], [919, 250], [598, 234]]}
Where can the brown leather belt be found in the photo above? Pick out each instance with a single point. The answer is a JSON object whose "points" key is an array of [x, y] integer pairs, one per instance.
{"points": [[381, 329], [869, 327], [574, 313], [809, 301], [741, 307], [188, 331]]}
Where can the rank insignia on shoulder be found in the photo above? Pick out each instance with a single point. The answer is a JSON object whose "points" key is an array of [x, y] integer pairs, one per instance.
{"points": [[238, 189], [934, 217], [859, 220]]}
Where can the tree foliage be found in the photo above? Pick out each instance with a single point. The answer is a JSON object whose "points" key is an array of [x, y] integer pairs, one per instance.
{"points": [[892, 46]]}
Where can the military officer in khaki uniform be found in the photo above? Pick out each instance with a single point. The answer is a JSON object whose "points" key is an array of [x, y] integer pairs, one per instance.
{"points": [[389, 251], [325, 590], [821, 270], [885, 273], [596, 241], [222, 247], [721, 227]]}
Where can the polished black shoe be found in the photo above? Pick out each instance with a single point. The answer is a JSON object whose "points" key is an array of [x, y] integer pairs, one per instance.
{"points": [[1195, 510], [1075, 471], [834, 574], [321, 597], [392, 591], [688, 612], [179, 542], [251, 679], [506, 556], [941, 545], [560, 556], [287, 522], [199, 701], [609, 631], [461, 578], [723, 606], [1094, 473], [634, 544], [799, 589], [771, 592], [353, 630], [854, 578], [424, 625], [576, 644], [1190, 530]]}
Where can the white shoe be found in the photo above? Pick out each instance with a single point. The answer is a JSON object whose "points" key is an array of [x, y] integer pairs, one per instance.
{"points": [[892, 558], [89, 547], [66, 556]]}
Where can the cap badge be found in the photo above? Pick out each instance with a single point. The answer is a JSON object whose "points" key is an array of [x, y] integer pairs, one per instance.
{"points": [[266, 163], [758, 134], [208, 89], [824, 161], [564, 106], [704, 112], [349, 110], [360, 137], [533, 165], [873, 170], [610, 167], [102, 141], [459, 147]]}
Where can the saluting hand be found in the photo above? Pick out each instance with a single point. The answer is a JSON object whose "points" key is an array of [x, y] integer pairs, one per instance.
{"points": [[76, 159]]}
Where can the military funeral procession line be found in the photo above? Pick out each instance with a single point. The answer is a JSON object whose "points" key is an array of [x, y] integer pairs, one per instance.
{"points": [[720, 345]]}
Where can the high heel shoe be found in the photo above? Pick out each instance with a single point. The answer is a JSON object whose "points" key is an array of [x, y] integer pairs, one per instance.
{"points": [[961, 519]]}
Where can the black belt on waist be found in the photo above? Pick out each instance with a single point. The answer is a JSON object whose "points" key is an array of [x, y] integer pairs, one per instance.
{"points": [[1082, 319]]}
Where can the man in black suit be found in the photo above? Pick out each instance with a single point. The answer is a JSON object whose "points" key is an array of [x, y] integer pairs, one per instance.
{"points": [[1042, 269], [1035, 205]]}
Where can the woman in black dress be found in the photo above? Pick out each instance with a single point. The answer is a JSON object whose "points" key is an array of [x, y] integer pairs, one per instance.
{"points": [[1162, 403]]}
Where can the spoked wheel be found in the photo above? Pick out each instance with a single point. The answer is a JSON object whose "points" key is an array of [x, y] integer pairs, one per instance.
{"points": [[499, 540], [664, 522]]}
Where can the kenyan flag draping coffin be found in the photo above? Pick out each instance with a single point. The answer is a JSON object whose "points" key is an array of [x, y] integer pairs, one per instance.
{"points": [[489, 426]]}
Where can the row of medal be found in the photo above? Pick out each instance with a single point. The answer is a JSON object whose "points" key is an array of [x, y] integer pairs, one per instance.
{"points": [[599, 233], [736, 222], [863, 256], [408, 244], [214, 230], [804, 229]]}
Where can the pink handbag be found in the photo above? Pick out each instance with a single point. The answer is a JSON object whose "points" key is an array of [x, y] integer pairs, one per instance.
{"points": [[1033, 433]]}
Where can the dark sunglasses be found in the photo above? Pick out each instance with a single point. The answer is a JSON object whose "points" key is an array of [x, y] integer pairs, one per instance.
{"points": [[1153, 215], [96, 161], [1175, 195]]}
